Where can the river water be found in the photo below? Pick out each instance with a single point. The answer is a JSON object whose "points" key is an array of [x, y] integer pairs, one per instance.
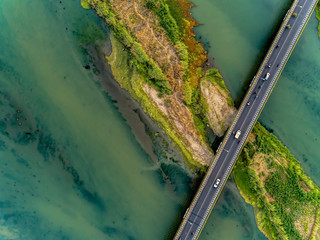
{"points": [[71, 167]]}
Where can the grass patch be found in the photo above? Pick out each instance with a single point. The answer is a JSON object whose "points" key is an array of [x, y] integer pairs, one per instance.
{"points": [[177, 14], [167, 21], [215, 78]]}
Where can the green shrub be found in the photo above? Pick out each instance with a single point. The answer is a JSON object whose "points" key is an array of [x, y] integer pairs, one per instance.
{"points": [[188, 93], [167, 102], [168, 22], [150, 5]]}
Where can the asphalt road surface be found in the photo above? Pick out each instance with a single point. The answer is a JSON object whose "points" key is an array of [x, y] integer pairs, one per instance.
{"points": [[249, 111]]}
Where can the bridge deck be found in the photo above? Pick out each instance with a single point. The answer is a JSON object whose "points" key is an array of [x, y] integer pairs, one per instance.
{"points": [[248, 113]]}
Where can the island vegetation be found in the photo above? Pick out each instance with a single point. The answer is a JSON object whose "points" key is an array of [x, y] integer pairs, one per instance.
{"points": [[285, 200], [156, 58]]}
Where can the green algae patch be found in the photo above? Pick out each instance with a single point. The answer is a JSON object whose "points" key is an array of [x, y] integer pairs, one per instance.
{"points": [[285, 200], [85, 4]]}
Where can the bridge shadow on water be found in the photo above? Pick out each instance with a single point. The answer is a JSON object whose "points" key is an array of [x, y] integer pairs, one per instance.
{"points": [[183, 207]]}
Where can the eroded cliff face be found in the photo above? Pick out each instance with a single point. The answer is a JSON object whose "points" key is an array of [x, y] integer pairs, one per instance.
{"points": [[163, 63], [219, 112]]}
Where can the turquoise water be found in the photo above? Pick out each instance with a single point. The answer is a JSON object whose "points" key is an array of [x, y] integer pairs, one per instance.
{"points": [[70, 165]]}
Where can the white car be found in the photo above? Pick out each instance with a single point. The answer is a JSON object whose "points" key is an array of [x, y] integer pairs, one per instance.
{"points": [[216, 183], [267, 76], [237, 134]]}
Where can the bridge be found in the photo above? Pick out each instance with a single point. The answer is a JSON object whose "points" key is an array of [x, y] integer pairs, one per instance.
{"points": [[256, 97]]}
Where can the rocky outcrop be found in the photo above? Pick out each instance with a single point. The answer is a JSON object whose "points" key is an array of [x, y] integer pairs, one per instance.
{"points": [[218, 110]]}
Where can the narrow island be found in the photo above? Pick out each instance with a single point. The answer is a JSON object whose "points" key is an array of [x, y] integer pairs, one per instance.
{"points": [[157, 59]]}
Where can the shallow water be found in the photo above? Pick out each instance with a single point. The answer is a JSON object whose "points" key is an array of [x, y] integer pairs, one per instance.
{"points": [[70, 165]]}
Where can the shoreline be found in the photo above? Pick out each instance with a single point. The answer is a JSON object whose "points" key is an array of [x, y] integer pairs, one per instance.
{"points": [[142, 126]]}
